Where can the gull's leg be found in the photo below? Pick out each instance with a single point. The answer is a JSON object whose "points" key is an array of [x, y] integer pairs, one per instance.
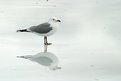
{"points": [[45, 41]]}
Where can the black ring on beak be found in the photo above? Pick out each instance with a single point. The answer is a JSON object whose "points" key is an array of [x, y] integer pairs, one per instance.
{"points": [[58, 21]]}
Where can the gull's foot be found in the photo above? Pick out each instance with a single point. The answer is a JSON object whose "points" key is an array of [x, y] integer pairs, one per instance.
{"points": [[48, 43]]}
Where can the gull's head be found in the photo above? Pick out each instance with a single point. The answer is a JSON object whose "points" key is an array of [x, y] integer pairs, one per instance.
{"points": [[54, 20]]}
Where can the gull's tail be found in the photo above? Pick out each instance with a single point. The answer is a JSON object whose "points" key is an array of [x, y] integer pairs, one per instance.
{"points": [[23, 30]]}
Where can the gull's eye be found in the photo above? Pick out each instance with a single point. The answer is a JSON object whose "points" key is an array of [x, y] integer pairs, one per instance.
{"points": [[53, 19]]}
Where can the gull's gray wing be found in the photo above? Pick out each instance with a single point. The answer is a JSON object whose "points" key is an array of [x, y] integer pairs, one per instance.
{"points": [[42, 28]]}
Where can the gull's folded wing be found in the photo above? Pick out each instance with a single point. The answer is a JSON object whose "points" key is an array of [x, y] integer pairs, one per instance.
{"points": [[42, 28]]}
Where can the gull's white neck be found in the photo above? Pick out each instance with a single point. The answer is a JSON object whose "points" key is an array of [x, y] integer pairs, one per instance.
{"points": [[54, 24]]}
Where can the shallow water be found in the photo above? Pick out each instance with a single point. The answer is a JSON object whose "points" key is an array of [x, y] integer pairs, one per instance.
{"points": [[85, 48]]}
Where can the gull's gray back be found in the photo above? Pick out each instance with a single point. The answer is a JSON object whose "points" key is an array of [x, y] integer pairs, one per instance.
{"points": [[42, 28]]}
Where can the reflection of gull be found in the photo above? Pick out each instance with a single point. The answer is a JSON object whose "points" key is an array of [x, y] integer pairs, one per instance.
{"points": [[44, 58], [44, 29]]}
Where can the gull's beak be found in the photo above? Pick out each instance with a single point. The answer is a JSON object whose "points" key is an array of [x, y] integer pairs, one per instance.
{"points": [[58, 21]]}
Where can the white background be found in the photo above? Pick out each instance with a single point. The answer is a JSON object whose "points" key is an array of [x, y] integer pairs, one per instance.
{"points": [[87, 44]]}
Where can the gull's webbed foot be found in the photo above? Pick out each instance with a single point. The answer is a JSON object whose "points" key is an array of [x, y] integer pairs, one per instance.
{"points": [[47, 43]]}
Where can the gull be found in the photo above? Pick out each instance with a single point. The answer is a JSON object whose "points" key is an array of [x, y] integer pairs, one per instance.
{"points": [[45, 29]]}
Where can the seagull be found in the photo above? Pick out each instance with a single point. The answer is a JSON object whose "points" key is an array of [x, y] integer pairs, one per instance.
{"points": [[45, 29]]}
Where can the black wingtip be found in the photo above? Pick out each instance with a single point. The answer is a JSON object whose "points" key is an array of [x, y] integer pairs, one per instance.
{"points": [[23, 30]]}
